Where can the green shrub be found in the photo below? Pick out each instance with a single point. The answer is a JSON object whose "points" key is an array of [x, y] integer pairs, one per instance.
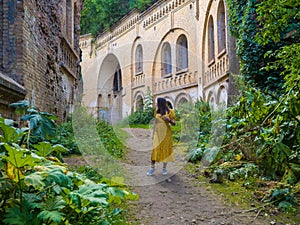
{"points": [[109, 139], [65, 137], [141, 117]]}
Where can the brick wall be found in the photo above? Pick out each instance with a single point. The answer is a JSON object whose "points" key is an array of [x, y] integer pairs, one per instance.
{"points": [[30, 52]]}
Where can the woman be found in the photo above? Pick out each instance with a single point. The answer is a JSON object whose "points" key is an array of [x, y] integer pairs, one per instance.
{"points": [[162, 138]]}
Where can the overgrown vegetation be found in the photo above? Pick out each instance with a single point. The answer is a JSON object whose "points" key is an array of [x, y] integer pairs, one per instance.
{"points": [[262, 139], [37, 188], [144, 113]]}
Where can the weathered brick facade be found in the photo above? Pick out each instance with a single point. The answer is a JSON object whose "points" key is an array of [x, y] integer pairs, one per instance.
{"points": [[39, 51]]}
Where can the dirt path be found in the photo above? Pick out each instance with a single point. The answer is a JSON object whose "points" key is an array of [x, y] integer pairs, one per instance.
{"points": [[175, 199]]}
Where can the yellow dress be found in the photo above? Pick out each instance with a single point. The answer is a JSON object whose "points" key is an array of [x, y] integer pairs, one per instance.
{"points": [[162, 139]]}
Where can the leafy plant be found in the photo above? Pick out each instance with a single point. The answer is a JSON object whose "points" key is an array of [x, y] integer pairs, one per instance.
{"points": [[109, 139], [283, 198], [37, 188], [65, 137], [42, 126]]}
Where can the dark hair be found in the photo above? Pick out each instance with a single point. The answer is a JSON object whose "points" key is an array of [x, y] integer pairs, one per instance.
{"points": [[162, 107]]}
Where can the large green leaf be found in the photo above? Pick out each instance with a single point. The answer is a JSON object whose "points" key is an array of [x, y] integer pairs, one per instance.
{"points": [[58, 175], [35, 180], [10, 133], [20, 157], [51, 209], [43, 149], [20, 106], [16, 216], [42, 124], [94, 193], [59, 148], [53, 216]]}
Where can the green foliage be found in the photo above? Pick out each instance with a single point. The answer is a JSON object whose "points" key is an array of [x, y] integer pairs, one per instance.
{"points": [[41, 125], [99, 15], [140, 4], [244, 26], [283, 198], [261, 128], [65, 137], [90, 21], [109, 139], [145, 115], [38, 189], [278, 20], [268, 40], [141, 117], [246, 171], [148, 101], [45, 148], [195, 154]]}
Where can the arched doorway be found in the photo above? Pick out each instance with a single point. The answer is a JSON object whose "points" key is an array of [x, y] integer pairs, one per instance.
{"points": [[110, 90], [139, 104], [222, 97]]}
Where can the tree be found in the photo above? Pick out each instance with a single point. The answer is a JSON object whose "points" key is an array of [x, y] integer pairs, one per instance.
{"points": [[90, 20], [98, 15], [140, 4]]}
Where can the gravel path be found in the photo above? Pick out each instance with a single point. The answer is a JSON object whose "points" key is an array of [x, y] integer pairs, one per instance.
{"points": [[175, 199]]}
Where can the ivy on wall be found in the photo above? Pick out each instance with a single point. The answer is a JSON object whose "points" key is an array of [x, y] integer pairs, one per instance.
{"points": [[244, 26]]}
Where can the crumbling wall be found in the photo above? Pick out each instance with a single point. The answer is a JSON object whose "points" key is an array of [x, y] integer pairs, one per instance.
{"points": [[31, 53]]}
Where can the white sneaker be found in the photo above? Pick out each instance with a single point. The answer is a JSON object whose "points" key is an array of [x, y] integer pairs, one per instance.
{"points": [[151, 171]]}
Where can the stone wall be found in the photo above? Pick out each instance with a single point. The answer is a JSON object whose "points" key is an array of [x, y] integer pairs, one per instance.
{"points": [[37, 53], [209, 52]]}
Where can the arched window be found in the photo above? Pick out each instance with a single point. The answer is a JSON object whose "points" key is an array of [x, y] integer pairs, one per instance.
{"points": [[181, 53], [166, 59], [139, 103], [117, 86], [211, 41], [212, 103], [221, 27], [222, 97], [139, 59]]}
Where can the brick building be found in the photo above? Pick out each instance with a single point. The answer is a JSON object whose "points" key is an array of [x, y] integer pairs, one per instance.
{"points": [[39, 54]]}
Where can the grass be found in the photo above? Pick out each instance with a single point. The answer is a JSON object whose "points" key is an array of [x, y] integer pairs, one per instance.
{"points": [[237, 195]]}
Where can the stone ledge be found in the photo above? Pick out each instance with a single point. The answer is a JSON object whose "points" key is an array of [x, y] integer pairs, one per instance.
{"points": [[9, 83]]}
